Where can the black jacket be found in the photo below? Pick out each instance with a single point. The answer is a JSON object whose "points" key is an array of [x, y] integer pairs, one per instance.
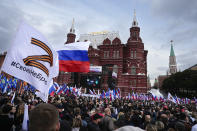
{"points": [[6, 123], [93, 127]]}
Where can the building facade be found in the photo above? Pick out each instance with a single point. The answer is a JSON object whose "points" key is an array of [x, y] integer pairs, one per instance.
{"points": [[127, 61], [2, 57]]}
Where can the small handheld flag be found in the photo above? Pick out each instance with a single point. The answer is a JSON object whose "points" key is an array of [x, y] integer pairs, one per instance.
{"points": [[12, 101], [25, 119]]}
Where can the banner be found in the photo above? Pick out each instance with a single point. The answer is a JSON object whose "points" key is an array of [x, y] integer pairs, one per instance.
{"points": [[95, 68], [32, 59], [114, 74]]}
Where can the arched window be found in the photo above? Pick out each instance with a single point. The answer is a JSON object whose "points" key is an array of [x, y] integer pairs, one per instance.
{"points": [[131, 54], [106, 54], [114, 54], [133, 70], [117, 54], [135, 54], [134, 34]]}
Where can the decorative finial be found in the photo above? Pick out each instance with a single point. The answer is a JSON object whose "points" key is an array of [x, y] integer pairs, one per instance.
{"points": [[134, 23], [134, 14], [171, 41], [72, 30]]}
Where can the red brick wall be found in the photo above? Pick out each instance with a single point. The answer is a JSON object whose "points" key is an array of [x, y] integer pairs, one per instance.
{"points": [[2, 57]]}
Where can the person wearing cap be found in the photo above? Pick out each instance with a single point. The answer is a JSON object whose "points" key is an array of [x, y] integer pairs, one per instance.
{"points": [[94, 124]]}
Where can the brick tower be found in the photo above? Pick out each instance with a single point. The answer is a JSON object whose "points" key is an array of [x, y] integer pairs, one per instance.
{"points": [[71, 35], [172, 61]]}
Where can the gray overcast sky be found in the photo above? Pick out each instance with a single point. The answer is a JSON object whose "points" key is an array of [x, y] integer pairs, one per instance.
{"points": [[160, 21]]}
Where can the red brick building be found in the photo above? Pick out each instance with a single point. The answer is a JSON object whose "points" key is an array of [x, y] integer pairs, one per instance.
{"points": [[128, 61], [2, 57], [161, 78]]}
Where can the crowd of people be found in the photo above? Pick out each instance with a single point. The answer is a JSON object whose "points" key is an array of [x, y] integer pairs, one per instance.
{"points": [[81, 113]]}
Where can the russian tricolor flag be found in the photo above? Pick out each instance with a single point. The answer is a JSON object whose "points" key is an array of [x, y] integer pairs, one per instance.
{"points": [[52, 90], [74, 57]]}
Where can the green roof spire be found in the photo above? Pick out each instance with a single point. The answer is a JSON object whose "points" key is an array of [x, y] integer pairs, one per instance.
{"points": [[172, 50]]}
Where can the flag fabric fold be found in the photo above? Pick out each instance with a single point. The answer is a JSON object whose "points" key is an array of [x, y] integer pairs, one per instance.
{"points": [[171, 98], [52, 90], [31, 58], [74, 57]]}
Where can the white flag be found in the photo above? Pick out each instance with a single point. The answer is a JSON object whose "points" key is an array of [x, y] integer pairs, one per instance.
{"points": [[116, 111], [5, 88], [171, 98], [32, 59], [12, 101], [43, 96], [114, 74], [25, 119]]}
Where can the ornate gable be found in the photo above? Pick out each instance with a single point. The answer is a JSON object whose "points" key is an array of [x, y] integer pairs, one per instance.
{"points": [[116, 41], [107, 42]]}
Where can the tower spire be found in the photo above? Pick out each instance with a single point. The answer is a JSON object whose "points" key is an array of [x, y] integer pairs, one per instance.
{"points": [[71, 35], [172, 50], [134, 23], [172, 61], [72, 30]]}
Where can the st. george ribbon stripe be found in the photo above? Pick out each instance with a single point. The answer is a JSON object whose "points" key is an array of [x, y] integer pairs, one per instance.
{"points": [[33, 60], [45, 58], [43, 46], [38, 65]]}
